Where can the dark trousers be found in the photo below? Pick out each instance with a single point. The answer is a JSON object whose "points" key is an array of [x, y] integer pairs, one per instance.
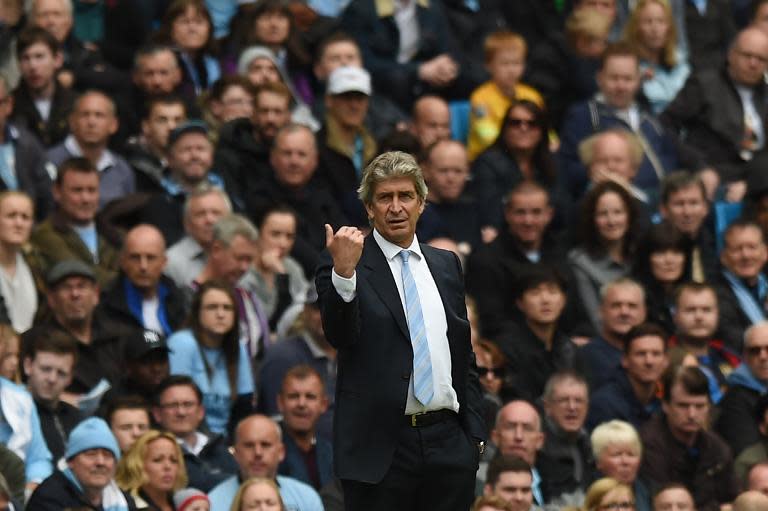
{"points": [[433, 469]]}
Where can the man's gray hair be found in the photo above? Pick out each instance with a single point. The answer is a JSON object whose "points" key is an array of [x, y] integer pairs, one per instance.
{"points": [[203, 189], [749, 332], [621, 282], [33, 3], [230, 226], [391, 165], [587, 147]]}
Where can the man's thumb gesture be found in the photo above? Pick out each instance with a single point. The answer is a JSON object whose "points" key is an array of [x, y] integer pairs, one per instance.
{"points": [[346, 247]]}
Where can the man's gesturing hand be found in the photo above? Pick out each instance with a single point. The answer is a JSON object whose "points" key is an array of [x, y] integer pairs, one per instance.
{"points": [[345, 247]]}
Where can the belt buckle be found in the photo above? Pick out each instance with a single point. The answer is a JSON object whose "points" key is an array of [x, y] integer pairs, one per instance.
{"points": [[414, 418]]}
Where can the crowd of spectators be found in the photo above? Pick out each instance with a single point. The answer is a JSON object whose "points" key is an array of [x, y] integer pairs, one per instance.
{"points": [[167, 171]]}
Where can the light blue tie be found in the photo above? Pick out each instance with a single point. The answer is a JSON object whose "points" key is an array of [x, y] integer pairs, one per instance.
{"points": [[422, 364]]}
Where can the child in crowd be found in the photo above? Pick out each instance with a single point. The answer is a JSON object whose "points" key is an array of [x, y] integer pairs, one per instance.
{"points": [[505, 54]]}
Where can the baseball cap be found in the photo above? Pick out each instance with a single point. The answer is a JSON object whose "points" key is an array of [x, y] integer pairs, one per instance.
{"points": [[69, 268], [349, 79], [191, 126], [142, 342]]}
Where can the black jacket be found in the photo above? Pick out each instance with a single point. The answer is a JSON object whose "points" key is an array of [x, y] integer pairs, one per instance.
{"points": [[566, 464], [214, 464], [57, 422], [29, 158], [25, 114], [57, 493]]}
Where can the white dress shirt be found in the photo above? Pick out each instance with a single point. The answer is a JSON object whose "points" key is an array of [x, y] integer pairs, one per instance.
{"points": [[435, 321]]}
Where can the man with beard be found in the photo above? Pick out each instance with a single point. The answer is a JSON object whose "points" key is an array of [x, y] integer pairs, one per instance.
{"points": [[242, 154], [302, 401], [696, 325]]}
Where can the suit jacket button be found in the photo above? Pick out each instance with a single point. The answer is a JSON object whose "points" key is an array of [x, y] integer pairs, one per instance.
{"points": [[406, 376]]}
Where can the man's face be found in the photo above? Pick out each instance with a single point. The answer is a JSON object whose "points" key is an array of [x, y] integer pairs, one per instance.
{"points": [[744, 253], [302, 402], [528, 215], [73, 300], [180, 412], [143, 258], [261, 71], [447, 171], [756, 352], [258, 448], [348, 109], [696, 314], [611, 157], [568, 405], [646, 359], [294, 158], [277, 234], [202, 214], [336, 55], [38, 66], [162, 119], [619, 461], [686, 209], [686, 413], [93, 469], [542, 304], [53, 16], [93, 121], [622, 308], [515, 488], [233, 261], [431, 121], [158, 73], [128, 424], [518, 431], [395, 209], [48, 374], [673, 499], [149, 370], [191, 157], [619, 80], [16, 219], [748, 57], [271, 113]]}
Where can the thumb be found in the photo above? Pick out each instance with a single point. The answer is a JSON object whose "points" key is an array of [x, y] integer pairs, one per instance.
{"points": [[328, 235]]}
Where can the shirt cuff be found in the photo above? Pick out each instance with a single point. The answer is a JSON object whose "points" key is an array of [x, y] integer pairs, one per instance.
{"points": [[347, 288]]}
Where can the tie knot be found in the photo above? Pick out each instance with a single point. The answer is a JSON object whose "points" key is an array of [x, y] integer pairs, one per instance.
{"points": [[404, 255]]}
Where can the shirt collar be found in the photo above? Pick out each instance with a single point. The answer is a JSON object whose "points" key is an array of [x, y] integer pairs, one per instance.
{"points": [[391, 250], [105, 161]]}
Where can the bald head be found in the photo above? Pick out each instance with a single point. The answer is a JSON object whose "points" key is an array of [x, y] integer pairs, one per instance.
{"points": [[258, 447], [431, 120], [748, 57], [143, 258], [518, 431], [751, 501]]}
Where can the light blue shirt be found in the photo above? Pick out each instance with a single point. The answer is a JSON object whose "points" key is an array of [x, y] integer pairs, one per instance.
{"points": [[90, 238], [186, 358], [297, 496], [330, 8]]}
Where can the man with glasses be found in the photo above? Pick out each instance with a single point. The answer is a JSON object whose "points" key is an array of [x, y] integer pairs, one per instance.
{"points": [[719, 114], [566, 459], [679, 448], [746, 384], [178, 409]]}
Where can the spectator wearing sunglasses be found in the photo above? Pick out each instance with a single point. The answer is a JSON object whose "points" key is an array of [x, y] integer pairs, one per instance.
{"points": [[492, 372]]}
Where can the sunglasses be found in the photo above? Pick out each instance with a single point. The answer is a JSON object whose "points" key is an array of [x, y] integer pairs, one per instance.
{"points": [[498, 372], [523, 123]]}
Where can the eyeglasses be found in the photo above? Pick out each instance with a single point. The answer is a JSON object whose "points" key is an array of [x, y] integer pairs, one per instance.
{"points": [[626, 505], [523, 123], [754, 351], [498, 372], [183, 405]]}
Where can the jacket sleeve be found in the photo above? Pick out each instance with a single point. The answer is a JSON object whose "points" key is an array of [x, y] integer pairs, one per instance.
{"points": [[679, 115], [736, 423], [341, 320], [38, 462]]}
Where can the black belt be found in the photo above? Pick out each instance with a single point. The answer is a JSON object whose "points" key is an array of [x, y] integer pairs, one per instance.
{"points": [[419, 420]]}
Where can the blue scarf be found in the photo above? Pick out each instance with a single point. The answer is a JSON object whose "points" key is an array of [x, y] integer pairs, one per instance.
{"points": [[134, 299], [754, 311]]}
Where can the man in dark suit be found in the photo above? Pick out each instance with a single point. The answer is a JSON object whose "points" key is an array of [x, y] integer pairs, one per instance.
{"points": [[408, 429]]}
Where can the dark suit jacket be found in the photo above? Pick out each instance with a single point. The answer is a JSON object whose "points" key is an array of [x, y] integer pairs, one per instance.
{"points": [[376, 359]]}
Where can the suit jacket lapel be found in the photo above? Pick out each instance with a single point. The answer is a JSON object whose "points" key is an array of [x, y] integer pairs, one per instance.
{"points": [[383, 282]]}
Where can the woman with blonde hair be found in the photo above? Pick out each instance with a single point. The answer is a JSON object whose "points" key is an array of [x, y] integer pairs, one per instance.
{"points": [[618, 451], [258, 493], [608, 494], [152, 470], [9, 353], [651, 31]]}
